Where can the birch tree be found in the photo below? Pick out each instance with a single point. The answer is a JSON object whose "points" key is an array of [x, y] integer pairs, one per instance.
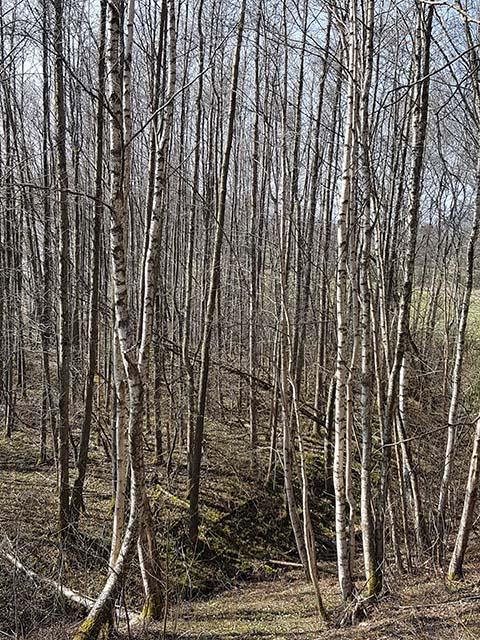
{"points": [[348, 167]]}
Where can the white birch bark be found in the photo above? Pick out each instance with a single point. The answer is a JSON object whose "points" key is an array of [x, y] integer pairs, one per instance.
{"points": [[157, 219], [420, 533], [121, 455], [343, 560], [100, 614], [127, 101], [455, 569], [366, 516], [457, 373], [147, 548]]}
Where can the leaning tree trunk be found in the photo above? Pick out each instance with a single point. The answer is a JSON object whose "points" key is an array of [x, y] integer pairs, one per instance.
{"points": [[457, 376], [120, 449], [455, 569]]}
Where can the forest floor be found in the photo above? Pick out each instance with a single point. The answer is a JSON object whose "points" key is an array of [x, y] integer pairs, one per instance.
{"points": [[418, 608], [246, 603]]}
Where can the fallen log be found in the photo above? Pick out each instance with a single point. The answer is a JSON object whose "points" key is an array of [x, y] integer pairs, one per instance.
{"points": [[83, 601]]}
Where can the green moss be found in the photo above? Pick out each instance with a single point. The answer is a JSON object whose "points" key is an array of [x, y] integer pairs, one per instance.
{"points": [[374, 584], [236, 538], [160, 494], [86, 631], [454, 577], [153, 608], [92, 629]]}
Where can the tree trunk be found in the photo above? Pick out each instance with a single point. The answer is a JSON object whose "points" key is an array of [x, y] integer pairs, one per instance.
{"points": [[65, 346], [457, 375], [76, 501], [339, 460], [455, 569], [214, 285]]}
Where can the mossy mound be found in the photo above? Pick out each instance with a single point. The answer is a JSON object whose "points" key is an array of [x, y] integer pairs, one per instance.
{"points": [[235, 544]]}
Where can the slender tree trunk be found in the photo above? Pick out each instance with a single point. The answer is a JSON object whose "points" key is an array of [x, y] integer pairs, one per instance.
{"points": [[368, 535], [339, 460], [214, 285], [147, 546], [455, 569], [187, 312], [254, 275], [48, 413], [419, 126], [420, 531], [65, 346], [120, 461], [457, 375], [100, 614], [76, 501]]}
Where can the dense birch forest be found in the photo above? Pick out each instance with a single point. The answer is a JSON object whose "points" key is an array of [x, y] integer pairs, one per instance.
{"points": [[239, 319]]}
